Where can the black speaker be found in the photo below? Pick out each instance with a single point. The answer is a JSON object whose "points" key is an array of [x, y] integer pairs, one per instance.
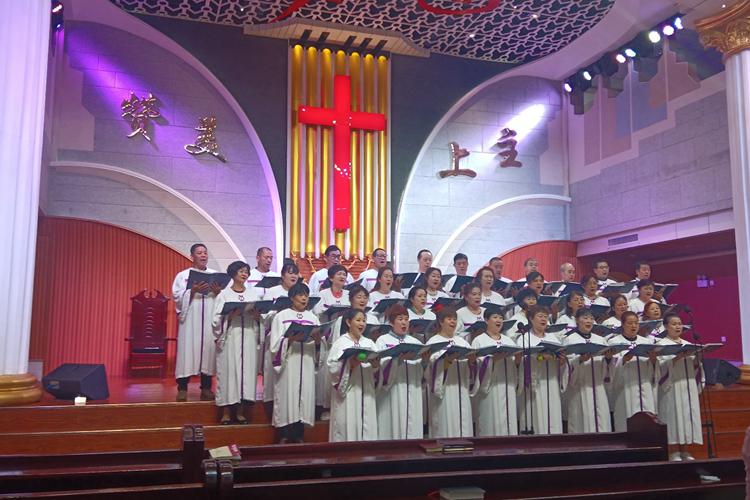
{"points": [[721, 372], [70, 380]]}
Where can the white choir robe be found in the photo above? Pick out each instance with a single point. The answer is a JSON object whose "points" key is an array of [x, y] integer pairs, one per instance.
{"points": [[540, 385], [317, 279], [634, 383], [597, 301], [495, 390], [586, 394], [612, 322], [430, 316], [399, 400], [495, 298], [680, 384], [637, 305], [448, 394], [196, 350], [254, 278], [564, 319], [294, 367], [369, 278], [605, 283], [322, 379], [426, 314], [431, 299], [520, 319], [237, 346], [266, 368], [353, 413], [466, 318], [376, 297]]}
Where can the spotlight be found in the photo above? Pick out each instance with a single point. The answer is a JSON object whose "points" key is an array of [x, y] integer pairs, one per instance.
{"points": [[630, 53], [620, 58], [678, 23], [57, 7], [654, 36], [668, 30], [568, 87], [586, 75]]}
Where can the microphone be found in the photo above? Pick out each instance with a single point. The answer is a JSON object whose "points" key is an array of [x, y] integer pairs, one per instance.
{"points": [[522, 328]]}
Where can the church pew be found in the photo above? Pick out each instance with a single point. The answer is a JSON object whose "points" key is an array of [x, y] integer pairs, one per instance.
{"points": [[645, 441], [40, 473], [656, 480]]}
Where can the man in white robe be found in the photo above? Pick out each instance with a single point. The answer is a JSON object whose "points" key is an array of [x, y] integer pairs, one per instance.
{"points": [[369, 277], [461, 265], [601, 272], [264, 259], [332, 257], [196, 353]]}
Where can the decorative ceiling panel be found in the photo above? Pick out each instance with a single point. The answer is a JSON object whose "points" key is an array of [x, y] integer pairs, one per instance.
{"points": [[510, 31]]}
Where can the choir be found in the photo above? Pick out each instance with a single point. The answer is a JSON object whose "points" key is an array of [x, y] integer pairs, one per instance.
{"points": [[490, 358]]}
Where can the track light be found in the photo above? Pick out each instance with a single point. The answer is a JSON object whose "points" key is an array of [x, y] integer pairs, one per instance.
{"points": [[630, 53], [568, 87], [668, 30], [620, 58], [678, 23], [586, 75], [654, 36]]}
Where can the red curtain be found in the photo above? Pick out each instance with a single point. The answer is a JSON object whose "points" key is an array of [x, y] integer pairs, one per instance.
{"points": [[550, 255], [85, 274]]}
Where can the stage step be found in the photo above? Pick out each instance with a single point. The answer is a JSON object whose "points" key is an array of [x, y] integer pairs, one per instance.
{"points": [[153, 438]]}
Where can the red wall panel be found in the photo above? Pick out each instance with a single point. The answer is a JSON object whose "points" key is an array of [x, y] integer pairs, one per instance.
{"points": [[85, 274], [550, 255]]}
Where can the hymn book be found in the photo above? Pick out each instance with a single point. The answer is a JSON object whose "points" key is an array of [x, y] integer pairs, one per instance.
{"points": [[221, 279]]}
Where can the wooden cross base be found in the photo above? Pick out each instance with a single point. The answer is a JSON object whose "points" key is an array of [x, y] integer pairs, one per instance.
{"points": [[456, 172]]}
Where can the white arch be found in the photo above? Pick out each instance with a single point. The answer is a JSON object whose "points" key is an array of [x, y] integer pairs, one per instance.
{"points": [[484, 211], [108, 14], [128, 177]]}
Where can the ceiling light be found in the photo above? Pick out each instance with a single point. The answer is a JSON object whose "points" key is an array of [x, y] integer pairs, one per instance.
{"points": [[620, 58], [568, 87], [586, 75], [678, 23], [654, 36], [668, 30], [630, 52]]}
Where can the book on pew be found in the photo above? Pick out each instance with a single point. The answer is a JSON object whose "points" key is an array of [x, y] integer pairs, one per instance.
{"points": [[384, 304], [598, 311], [373, 331], [282, 303], [268, 282], [334, 312], [498, 349], [665, 289], [308, 330], [402, 348], [407, 280], [446, 302], [447, 446], [353, 284], [231, 452], [459, 283], [618, 288], [362, 353], [221, 279]]}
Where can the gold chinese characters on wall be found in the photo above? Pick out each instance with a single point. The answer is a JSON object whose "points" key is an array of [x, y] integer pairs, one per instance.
{"points": [[138, 112], [206, 140]]}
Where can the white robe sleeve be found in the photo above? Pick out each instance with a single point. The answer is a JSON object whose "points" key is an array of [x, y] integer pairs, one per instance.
{"points": [[181, 297], [217, 323], [279, 344], [340, 370], [437, 374]]}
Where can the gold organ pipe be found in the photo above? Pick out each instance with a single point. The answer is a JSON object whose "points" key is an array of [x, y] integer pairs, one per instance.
{"points": [[296, 91], [326, 69], [355, 63], [311, 70], [383, 180], [369, 159]]}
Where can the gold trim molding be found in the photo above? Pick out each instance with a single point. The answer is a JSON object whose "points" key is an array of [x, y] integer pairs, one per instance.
{"points": [[19, 389], [728, 31]]}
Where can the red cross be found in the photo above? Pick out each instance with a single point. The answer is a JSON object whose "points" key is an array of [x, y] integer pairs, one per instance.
{"points": [[342, 119]]}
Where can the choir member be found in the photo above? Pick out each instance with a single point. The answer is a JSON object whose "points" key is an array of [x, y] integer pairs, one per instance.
{"points": [[586, 396], [634, 378], [645, 295], [449, 379], [399, 400], [332, 257], [486, 278], [335, 295], [618, 305], [652, 312], [601, 273], [383, 287], [497, 376], [461, 265], [369, 276], [591, 296], [294, 364], [424, 260], [353, 413], [530, 265], [418, 305], [433, 282], [237, 342], [573, 303], [567, 273], [543, 377], [264, 259], [535, 281], [289, 277], [525, 299], [680, 384], [497, 265], [472, 311], [196, 350]]}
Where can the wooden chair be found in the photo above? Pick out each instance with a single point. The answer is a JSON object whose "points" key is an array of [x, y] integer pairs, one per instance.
{"points": [[148, 332]]}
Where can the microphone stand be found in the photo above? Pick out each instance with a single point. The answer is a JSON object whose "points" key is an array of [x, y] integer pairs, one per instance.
{"points": [[528, 399], [705, 397]]}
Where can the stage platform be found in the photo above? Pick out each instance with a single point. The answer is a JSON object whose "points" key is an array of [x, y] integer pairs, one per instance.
{"points": [[141, 414]]}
